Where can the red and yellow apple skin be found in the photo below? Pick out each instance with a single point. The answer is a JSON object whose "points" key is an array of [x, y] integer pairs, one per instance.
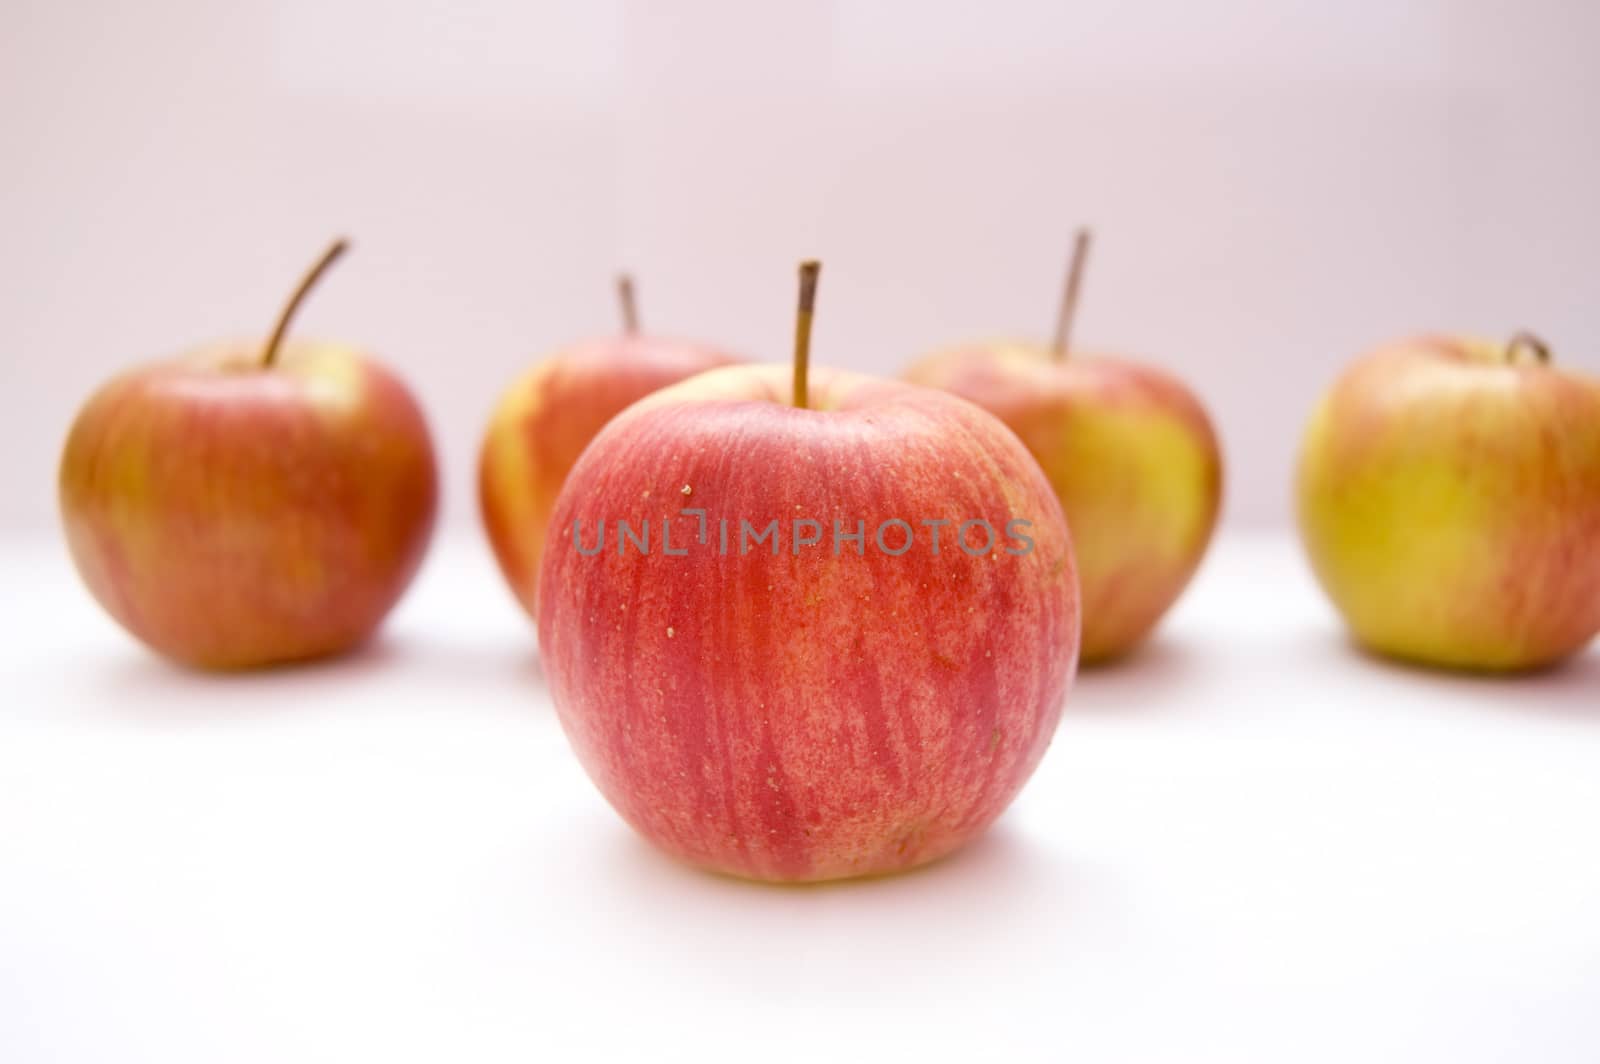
{"points": [[806, 716], [1130, 453], [233, 515], [545, 420], [1449, 501]]}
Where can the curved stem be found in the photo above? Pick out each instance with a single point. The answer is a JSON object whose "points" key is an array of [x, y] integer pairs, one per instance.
{"points": [[337, 248], [630, 306], [1069, 296], [1522, 340], [802, 330]]}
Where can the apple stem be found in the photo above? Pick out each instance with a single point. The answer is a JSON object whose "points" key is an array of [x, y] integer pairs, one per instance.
{"points": [[337, 248], [630, 306], [802, 330], [1069, 297], [1522, 340]]}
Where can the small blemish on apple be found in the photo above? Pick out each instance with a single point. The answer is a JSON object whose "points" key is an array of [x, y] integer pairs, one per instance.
{"points": [[669, 633]]}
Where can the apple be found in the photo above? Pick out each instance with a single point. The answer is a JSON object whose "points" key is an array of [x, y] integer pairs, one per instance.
{"points": [[1129, 451], [250, 503], [546, 419], [803, 629], [1449, 500]]}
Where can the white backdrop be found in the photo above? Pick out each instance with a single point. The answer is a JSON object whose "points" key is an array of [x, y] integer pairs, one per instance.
{"points": [[1275, 185]]}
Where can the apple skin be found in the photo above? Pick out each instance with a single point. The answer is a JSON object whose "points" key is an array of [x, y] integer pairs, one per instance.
{"points": [[545, 420], [808, 717], [1131, 455], [231, 515], [1449, 501]]}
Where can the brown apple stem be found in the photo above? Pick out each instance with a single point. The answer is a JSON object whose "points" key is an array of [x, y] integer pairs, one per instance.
{"points": [[1522, 340], [313, 275], [630, 306], [802, 330], [1069, 297]]}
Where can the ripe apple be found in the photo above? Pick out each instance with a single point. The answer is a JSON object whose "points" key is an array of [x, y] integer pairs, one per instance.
{"points": [[250, 503], [1449, 500], [546, 419], [1129, 451], [793, 680]]}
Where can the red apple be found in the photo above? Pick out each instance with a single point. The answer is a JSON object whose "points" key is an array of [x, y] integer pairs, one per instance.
{"points": [[1130, 453], [808, 705], [546, 419], [250, 504]]}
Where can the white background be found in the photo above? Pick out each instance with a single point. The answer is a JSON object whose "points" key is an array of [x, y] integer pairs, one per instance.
{"points": [[1277, 184], [1248, 843]]}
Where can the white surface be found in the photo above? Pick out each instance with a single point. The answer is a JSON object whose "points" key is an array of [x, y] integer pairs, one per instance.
{"points": [[1248, 844]]}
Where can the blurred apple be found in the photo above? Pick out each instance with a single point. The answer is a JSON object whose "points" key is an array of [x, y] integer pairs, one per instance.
{"points": [[250, 503], [546, 419], [758, 695], [1449, 499], [1129, 451]]}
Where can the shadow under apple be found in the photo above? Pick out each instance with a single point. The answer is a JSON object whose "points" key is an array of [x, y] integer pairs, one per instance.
{"points": [[140, 683], [1002, 904], [1158, 675], [1566, 690]]}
